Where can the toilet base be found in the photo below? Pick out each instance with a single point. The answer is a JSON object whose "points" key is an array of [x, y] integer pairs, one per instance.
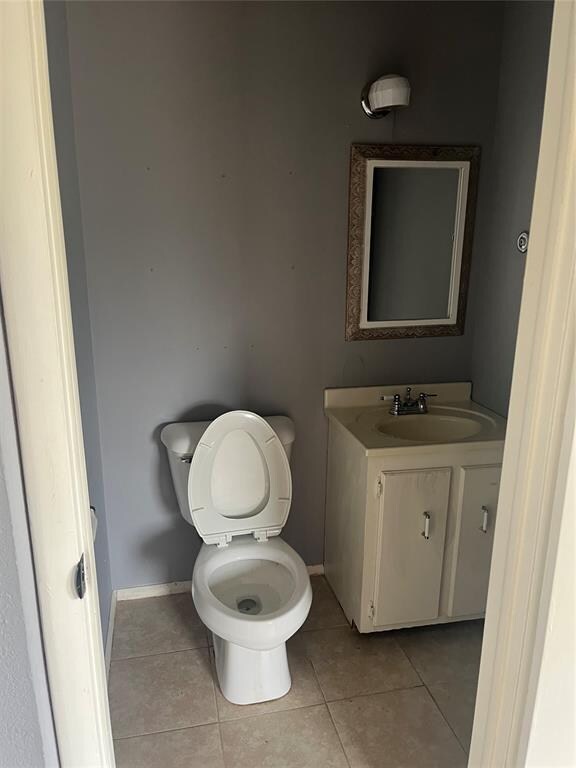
{"points": [[247, 676]]}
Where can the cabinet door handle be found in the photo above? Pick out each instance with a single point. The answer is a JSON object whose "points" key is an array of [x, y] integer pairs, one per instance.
{"points": [[426, 531], [484, 526]]}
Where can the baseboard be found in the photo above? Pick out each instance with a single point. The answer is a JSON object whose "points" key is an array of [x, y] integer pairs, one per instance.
{"points": [[316, 570], [153, 590], [110, 632]]}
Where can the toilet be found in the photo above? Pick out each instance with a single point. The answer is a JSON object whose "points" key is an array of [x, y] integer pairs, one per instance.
{"points": [[251, 589]]}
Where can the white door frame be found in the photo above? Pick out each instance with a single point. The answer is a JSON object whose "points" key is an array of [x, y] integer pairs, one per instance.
{"points": [[539, 438], [36, 302]]}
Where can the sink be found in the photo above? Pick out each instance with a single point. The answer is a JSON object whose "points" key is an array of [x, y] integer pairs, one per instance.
{"points": [[430, 428], [453, 419], [442, 424]]}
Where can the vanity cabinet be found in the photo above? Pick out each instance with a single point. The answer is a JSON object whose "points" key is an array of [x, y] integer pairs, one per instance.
{"points": [[409, 527], [410, 550], [476, 517]]}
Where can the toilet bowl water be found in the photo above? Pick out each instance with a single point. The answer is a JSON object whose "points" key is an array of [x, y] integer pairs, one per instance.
{"points": [[253, 587]]}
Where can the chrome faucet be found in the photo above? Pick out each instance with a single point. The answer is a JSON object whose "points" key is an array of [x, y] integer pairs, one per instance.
{"points": [[410, 404]]}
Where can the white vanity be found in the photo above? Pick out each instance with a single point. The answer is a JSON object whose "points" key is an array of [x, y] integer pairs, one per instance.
{"points": [[411, 505]]}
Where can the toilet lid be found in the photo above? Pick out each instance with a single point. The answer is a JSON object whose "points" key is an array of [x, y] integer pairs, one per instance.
{"points": [[239, 481]]}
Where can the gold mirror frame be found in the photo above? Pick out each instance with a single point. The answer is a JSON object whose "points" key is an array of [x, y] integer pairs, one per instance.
{"points": [[360, 154]]}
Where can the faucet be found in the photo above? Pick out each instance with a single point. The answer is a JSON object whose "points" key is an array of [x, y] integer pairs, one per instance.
{"points": [[410, 404]]}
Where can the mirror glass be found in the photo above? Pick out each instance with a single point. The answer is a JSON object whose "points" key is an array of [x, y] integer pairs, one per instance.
{"points": [[411, 243], [410, 238]]}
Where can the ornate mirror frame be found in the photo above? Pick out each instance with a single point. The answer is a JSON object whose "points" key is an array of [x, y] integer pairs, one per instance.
{"points": [[467, 157]]}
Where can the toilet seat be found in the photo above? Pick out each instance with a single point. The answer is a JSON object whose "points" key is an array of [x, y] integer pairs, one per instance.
{"points": [[239, 481]]}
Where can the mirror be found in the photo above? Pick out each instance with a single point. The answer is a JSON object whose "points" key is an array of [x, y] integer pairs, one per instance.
{"points": [[411, 221]]}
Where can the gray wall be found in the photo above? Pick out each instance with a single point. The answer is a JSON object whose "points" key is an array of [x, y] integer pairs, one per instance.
{"points": [[213, 144], [498, 269], [55, 14], [26, 729]]}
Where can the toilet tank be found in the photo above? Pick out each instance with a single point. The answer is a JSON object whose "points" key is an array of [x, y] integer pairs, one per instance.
{"points": [[181, 439]]}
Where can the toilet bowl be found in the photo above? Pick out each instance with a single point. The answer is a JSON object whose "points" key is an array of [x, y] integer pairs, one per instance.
{"points": [[253, 596], [249, 587]]}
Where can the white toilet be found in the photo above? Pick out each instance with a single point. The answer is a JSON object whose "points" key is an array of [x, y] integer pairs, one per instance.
{"points": [[233, 483]]}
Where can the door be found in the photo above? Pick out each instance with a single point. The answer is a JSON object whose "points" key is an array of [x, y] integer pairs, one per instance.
{"points": [[476, 512], [413, 511]]}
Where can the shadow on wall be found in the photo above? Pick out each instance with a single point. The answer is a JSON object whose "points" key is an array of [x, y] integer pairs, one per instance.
{"points": [[160, 547]]}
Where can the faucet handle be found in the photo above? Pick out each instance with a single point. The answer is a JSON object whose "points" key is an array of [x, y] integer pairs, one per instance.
{"points": [[423, 401]]}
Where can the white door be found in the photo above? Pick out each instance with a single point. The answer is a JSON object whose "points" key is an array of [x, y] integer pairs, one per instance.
{"points": [[478, 499], [413, 512]]}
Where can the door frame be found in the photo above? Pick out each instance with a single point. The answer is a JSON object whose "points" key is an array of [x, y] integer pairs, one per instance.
{"points": [[36, 301], [540, 434], [36, 304]]}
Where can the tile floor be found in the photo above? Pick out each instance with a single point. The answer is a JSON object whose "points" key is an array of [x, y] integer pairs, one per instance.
{"points": [[386, 700]]}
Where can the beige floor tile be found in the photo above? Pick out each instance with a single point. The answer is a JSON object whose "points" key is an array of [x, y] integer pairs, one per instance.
{"points": [[399, 729], [304, 692], [443, 653], [325, 611], [350, 664], [456, 700], [157, 625], [300, 738], [198, 747], [159, 693]]}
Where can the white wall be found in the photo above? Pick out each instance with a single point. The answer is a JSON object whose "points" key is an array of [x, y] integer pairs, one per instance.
{"points": [[213, 145]]}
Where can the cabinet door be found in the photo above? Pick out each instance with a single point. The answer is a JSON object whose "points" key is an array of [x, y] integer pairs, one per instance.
{"points": [[412, 526], [476, 512]]}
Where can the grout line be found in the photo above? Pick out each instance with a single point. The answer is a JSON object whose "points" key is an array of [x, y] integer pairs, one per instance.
{"points": [[166, 730], [376, 693], [309, 660], [321, 629], [409, 660], [160, 653], [221, 741], [439, 708], [268, 714], [338, 735], [214, 676]]}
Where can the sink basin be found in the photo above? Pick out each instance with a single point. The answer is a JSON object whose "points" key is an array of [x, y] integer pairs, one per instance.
{"points": [[430, 428], [442, 424]]}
